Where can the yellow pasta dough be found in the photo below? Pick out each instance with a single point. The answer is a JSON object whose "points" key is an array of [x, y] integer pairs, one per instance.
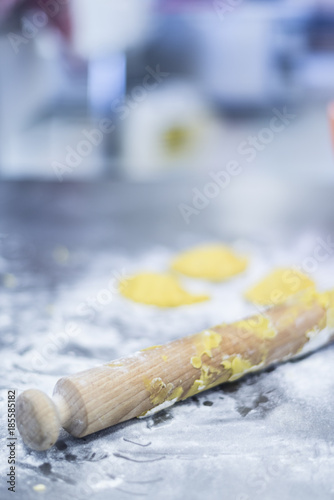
{"points": [[210, 262], [278, 286], [329, 298], [162, 290]]}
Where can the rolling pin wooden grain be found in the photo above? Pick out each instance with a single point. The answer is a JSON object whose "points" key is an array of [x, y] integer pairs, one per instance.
{"points": [[159, 376]]}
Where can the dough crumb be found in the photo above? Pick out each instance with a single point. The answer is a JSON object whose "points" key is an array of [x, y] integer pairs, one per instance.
{"points": [[162, 290], [278, 286], [210, 262], [39, 487]]}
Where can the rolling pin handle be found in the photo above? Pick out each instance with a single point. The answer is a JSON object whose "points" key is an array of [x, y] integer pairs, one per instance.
{"points": [[39, 419]]}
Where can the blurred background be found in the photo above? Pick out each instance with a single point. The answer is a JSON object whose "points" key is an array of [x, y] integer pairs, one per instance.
{"points": [[162, 89], [120, 122]]}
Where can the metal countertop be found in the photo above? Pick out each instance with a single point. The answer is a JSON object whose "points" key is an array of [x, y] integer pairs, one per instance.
{"points": [[269, 435]]}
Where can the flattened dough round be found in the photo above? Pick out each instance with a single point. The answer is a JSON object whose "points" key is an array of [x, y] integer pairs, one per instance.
{"points": [[278, 286], [209, 262], [162, 290]]}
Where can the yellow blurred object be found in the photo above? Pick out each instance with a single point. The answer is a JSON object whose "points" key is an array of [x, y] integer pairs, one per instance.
{"points": [[39, 487], [9, 281], [210, 262], [61, 254], [277, 286], [176, 139], [162, 290]]}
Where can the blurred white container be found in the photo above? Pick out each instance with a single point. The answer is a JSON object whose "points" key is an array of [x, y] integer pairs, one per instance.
{"points": [[105, 26], [169, 131], [236, 63]]}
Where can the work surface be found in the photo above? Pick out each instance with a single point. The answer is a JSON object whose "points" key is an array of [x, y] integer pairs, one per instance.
{"points": [[270, 435]]}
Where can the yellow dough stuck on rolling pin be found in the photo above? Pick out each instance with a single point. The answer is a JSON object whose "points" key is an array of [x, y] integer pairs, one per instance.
{"points": [[162, 290], [278, 286], [209, 262]]}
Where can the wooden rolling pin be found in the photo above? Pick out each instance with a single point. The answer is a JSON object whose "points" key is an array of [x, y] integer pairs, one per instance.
{"points": [[157, 377]]}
